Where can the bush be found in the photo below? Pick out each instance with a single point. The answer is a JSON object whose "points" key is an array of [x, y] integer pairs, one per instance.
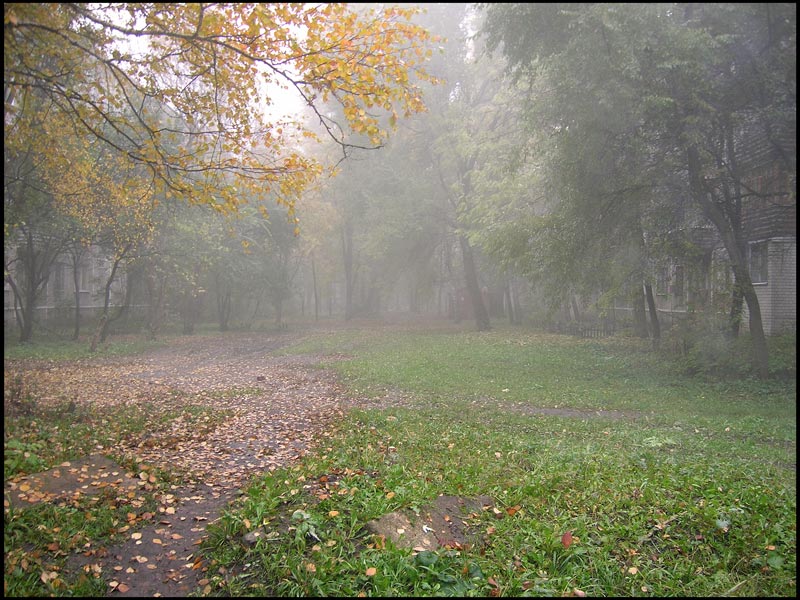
{"points": [[701, 349], [783, 355]]}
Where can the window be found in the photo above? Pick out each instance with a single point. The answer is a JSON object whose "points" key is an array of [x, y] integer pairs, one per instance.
{"points": [[758, 262], [58, 283], [662, 281], [85, 269], [677, 284]]}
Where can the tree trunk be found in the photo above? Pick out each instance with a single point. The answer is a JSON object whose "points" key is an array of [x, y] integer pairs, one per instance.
{"points": [[105, 321], [76, 280], [96, 336], [509, 303], [223, 306], [639, 314], [316, 291], [737, 305], [278, 305], [575, 310], [473, 288], [655, 326], [731, 238], [155, 290], [349, 270]]}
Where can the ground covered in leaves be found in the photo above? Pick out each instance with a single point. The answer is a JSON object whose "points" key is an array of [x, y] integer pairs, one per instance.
{"points": [[201, 418]]}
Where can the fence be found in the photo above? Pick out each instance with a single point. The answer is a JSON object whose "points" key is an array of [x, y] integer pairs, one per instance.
{"points": [[586, 330]]}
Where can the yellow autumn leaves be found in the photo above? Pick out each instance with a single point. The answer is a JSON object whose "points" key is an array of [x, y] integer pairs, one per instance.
{"points": [[179, 91]]}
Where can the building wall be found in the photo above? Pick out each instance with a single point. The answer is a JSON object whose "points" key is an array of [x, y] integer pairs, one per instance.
{"points": [[778, 297], [57, 301], [783, 285]]}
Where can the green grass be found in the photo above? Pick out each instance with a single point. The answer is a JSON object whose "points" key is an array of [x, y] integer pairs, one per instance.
{"points": [[61, 349], [38, 540], [693, 497]]}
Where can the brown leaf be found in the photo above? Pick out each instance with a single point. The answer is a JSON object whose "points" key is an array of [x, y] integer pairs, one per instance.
{"points": [[566, 539], [371, 571]]}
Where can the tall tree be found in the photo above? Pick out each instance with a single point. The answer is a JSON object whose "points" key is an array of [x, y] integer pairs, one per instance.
{"points": [[702, 76]]}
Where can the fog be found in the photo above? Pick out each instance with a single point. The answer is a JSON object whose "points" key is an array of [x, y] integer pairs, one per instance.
{"points": [[520, 164]]}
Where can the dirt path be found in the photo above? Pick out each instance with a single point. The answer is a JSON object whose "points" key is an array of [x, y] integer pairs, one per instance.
{"points": [[276, 407]]}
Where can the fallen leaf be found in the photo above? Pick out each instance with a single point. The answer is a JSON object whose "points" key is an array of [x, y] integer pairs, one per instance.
{"points": [[371, 571], [47, 576], [333, 513], [566, 539]]}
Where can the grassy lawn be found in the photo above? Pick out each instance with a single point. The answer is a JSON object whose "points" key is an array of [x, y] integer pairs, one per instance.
{"points": [[691, 494]]}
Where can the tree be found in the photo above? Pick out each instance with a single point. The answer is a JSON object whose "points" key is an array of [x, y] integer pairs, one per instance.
{"points": [[35, 232], [702, 75], [36, 238], [460, 136], [142, 77]]}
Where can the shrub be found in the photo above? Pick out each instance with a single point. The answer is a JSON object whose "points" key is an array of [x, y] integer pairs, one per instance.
{"points": [[701, 349]]}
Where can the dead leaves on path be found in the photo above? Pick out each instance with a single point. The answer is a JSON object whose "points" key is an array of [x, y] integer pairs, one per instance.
{"points": [[239, 410], [214, 415]]}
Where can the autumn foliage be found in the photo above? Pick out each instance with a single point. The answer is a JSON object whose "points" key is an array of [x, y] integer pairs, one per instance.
{"points": [[186, 92]]}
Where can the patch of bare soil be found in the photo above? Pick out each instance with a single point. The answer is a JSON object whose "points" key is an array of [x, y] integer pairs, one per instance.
{"points": [[89, 476], [450, 522]]}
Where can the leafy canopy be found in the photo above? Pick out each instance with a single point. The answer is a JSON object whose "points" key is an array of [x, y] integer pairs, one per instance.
{"points": [[188, 91]]}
